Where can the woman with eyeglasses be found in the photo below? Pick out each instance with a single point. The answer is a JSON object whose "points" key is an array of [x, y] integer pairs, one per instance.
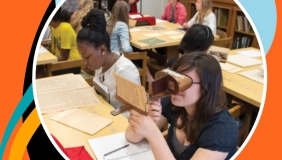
{"points": [[93, 44], [200, 125]]}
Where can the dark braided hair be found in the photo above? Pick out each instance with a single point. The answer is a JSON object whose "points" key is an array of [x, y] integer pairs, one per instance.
{"points": [[94, 30]]}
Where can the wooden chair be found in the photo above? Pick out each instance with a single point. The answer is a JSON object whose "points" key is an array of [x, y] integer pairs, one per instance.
{"points": [[71, 64], [223, 42], [221, 33], [142, 70], [240, 111]]}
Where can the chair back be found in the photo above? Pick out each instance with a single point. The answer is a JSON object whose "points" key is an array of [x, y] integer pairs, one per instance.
{"points": [[72, 64], [221, 33], [66, 64], [223, 42], [142, 69]]}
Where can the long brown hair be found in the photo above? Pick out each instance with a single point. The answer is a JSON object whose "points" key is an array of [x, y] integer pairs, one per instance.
{"points": [[119, 13], [206, 9], [84, 6], [212, 99]]}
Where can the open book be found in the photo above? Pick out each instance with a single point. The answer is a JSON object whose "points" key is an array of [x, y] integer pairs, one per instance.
{"points": [[102, 146], [63, 92]]}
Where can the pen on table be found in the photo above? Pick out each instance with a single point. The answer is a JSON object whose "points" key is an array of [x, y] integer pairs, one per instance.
{"points": [[116, 150]]}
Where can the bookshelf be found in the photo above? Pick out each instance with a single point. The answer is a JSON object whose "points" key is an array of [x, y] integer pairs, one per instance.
{"points": [[230, 19]]}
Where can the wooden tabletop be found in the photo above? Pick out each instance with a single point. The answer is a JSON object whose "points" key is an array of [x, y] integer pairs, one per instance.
{"points": [[70, 137], [46, 58], [170, 39], [241, 87]]}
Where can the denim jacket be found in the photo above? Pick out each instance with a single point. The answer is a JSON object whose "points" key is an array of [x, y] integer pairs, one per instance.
{"points": [[120, 41]]}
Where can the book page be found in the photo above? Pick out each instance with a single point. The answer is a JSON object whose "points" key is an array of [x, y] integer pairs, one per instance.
{"points": [[134, 151], [66, 99], [58, 83], [82, 120], [132, 93]]}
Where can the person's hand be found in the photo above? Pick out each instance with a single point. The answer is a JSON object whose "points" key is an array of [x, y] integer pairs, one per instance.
{"points": [[142, 125], [154, 109], [186, 25], [131, 1]]}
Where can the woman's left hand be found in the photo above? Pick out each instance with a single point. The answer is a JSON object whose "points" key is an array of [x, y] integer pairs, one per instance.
{"points": [[142, 125]]}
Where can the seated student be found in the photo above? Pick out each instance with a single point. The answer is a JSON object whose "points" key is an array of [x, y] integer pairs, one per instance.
{"points": [[198, 38], [117, 27], [63, 42], [204, 15], [93, 44], [175, 12], [84, 6], [201, 127]]}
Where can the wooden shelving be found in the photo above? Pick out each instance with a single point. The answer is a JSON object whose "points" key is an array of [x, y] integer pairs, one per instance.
{"points": [[230, 19]]}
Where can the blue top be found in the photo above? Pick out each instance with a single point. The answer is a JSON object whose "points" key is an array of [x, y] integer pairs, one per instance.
{"points": [[120, 41], [220, 133]]}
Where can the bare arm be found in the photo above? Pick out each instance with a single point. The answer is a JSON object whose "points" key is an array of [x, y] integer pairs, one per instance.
{"points": [[64, 55]]}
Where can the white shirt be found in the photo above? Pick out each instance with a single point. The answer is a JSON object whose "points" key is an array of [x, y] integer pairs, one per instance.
{"points": [[209, 20], [123, 67]]}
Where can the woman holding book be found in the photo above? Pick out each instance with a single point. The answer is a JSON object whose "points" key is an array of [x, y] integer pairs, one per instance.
{"points": [[200, 125], [93, 44], [204, 15]]}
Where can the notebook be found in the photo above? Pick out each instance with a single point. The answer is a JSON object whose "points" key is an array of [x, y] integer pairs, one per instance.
{"points": [[243, 61], [134, 151]]}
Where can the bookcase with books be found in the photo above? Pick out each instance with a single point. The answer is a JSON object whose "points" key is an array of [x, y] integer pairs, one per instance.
{"points": [[230, 19], [243, 35]]}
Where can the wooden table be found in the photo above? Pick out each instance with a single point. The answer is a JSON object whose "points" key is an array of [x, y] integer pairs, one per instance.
{"points": [[70, 137], [46, 58], [245, 91], [170, 43], [241, 87]]}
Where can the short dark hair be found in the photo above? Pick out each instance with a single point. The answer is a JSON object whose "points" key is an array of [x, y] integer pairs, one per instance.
{"points": [[94, 30], [62, 15], [198, 38]]}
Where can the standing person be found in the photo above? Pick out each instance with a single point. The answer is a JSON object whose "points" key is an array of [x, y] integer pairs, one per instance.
{"points": [[118, 29], [204, 15], [201, 127], [93, 44], [84, 6], [175, 12]]}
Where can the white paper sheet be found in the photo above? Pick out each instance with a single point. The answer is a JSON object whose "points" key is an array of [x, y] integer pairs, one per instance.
{"points": [[153, 35], [254, 74], [135, 151], [243, 61], [250, 53]]}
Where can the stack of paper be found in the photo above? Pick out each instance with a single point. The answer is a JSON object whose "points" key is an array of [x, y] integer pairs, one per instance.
{"points": [[254, 74], [82, 120], [63, 92], [250, 53]]}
